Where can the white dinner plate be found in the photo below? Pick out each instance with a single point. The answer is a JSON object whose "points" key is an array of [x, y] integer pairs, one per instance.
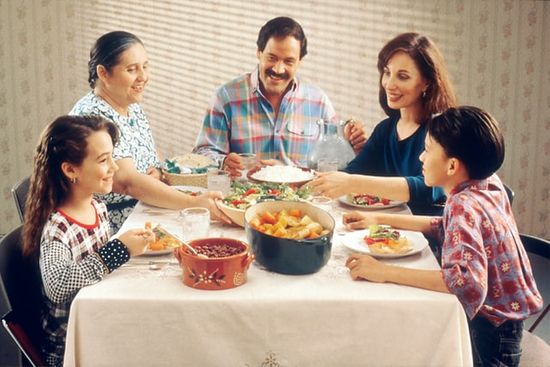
{"points": [[158, 253], [393, 203], [355, 241]]}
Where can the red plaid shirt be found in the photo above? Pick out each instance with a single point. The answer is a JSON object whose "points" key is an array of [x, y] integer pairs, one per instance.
{"points": [[483, 260]]}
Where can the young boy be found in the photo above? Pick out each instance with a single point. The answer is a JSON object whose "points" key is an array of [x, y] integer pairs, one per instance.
{"points": [[483, 260]]}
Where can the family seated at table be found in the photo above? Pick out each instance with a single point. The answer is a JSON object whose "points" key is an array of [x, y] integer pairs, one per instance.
{"points": [[272, 113]]}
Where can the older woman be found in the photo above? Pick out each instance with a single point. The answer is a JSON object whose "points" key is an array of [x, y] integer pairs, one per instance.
{"points": [[118, 74], [414, 85]]}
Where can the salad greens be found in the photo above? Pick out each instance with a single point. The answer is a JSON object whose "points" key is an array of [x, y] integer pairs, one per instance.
{"points": [[245, 194]]}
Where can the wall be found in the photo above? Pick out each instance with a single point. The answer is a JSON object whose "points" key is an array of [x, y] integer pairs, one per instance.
{"points": [[497, 52]]}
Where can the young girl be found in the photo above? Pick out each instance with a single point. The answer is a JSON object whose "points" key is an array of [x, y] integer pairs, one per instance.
{"points": [[66, 226], [483, 260]]}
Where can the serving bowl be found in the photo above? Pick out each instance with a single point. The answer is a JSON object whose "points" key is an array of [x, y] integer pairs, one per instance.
{"points": [[214, 273], [290, 256], [235, 214]]}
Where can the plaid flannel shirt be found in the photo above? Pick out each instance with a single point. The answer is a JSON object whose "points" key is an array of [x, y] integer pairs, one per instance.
{"points": [[241, 119], [483, 260]]}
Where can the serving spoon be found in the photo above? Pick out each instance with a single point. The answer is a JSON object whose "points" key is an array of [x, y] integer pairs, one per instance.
{"points": [[190, 248]]}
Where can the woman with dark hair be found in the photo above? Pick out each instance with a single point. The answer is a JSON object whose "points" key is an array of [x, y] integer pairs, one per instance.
{"points": [[65, 226], [118, 72], [414, 85]]}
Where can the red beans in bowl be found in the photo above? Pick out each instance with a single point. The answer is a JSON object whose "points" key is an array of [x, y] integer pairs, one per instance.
{"points": [[218, 250]]}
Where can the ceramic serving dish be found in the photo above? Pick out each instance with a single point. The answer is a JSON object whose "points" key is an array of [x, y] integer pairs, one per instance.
{"points": [[215, 273]]}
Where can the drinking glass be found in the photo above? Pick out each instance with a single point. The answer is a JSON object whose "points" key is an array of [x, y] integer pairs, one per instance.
{"points": [[322, 202], [219, 180], [195, 223], [327, 165], [248, 160]]}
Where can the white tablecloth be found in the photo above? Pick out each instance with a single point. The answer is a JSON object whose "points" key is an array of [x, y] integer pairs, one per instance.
{"points": [[142, 317]]}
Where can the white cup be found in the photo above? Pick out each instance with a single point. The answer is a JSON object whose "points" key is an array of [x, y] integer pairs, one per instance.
{"points": [[322, 202], [195, 223], [248, 160], [219, 180]]}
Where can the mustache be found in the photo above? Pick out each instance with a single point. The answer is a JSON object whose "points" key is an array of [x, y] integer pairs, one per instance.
{"points": [[273, 74]]}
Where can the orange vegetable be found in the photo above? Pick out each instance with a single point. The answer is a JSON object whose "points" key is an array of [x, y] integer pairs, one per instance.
{"points": [[295, 213], [267, 217]]}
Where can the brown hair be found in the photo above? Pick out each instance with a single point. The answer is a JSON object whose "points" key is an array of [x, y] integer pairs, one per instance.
{"points": [[63, 140], [429, 60]]}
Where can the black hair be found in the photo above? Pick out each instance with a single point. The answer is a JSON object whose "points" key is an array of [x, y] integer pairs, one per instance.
{"points": [[282, 27], [472, 136], [106, 51]]}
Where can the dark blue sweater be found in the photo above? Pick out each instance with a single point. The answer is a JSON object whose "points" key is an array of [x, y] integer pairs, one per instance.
{"points": [[385, 155]]}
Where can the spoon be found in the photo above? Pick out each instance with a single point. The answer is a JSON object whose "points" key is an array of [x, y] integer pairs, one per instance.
{"points": [[190, 248]]}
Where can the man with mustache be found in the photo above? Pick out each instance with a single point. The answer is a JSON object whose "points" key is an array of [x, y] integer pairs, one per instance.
{"points": [[269, 111]]}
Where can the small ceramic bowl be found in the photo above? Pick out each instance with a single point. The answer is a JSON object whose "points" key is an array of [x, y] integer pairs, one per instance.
{"points": [[215, 273]]}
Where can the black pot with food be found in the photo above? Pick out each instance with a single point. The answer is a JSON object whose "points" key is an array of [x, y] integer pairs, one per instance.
{"points": [[290, 255]]}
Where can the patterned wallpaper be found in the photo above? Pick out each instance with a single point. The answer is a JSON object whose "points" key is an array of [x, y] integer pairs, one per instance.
{"points": [[497, 51]]}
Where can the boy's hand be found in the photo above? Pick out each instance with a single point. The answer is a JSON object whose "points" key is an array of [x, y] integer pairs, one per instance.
{"points": [[366, 267], [356, 220], [331, 184]]}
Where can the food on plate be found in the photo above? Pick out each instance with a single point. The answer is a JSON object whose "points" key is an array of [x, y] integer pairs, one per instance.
{"points": [[386, 240], [282, 174], [367, 200], [288, 224], [163, 239], [245, 194]]}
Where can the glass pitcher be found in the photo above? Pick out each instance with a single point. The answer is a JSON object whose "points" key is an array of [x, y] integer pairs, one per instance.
{"points": [[331, 145]]}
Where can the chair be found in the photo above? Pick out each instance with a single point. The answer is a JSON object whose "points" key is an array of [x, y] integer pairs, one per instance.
{"points": [[21, 281], [510, 193], [19, 192], [536, 352]]}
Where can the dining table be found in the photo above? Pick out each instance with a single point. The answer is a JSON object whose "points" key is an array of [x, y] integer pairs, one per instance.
{"points": [[143, 315]]}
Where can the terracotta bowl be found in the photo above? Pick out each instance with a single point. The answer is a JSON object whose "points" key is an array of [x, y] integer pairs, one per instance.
{"points": [[288, 256], [215, 273]]}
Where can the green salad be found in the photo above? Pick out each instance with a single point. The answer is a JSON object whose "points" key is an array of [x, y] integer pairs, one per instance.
{"points": [[245, 194]]}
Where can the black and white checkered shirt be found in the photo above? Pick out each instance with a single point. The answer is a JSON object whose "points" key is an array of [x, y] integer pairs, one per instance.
{"points": [[72, 255]]}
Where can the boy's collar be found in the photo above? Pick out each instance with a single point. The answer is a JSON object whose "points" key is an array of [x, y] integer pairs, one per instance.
{"points": [[476, 184]]}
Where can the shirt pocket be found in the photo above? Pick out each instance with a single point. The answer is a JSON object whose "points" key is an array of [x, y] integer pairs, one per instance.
{"points": [[305, 129]]}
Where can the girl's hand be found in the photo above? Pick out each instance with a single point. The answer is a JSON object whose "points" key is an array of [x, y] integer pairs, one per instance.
{"points": [[331, 184], [136, 240], [366, 267], [356, 220]]}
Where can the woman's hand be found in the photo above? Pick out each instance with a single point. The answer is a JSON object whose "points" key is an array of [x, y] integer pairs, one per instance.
{"points": [[271, 162], [154, 172], [356, 220], [331, 184], [354, 132], [136, 240], [208, 200], [366, 267]]}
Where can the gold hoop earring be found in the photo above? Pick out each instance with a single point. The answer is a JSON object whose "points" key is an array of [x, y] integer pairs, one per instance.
{"points": [[73, 180], [424, 94]]}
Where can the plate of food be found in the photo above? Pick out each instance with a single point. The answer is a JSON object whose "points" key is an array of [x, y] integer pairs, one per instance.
{"points": [[245, 194], [291, 175], [385, 242], [366, 201], [164, 243]]}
